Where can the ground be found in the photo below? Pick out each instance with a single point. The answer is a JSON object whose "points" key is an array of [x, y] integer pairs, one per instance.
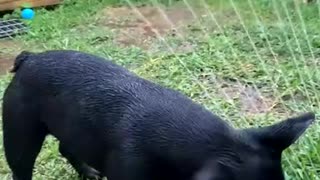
{"points": [[251, 63]]}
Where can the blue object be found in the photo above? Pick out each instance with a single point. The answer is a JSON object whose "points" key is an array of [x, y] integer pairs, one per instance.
{"points": [[27, 13]]}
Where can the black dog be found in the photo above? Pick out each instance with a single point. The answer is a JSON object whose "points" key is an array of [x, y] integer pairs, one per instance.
{"points": [[111, 123]]}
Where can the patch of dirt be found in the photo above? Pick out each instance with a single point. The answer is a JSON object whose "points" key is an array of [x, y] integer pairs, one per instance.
{"points": [[251, 100], [5, 64], [141, 25], [8, 51]]}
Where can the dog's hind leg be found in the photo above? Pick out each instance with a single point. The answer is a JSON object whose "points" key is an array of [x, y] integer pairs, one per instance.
{"points": [[23, 133]]}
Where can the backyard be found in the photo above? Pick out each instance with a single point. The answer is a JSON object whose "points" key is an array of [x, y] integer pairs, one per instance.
{"points": [[252, 62]]}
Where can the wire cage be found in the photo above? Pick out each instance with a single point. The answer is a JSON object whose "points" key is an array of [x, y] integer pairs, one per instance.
{"points": [[12, 27]]}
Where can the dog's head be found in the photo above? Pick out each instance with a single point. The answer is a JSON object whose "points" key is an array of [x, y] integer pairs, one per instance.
{"points": [[255, 154]]}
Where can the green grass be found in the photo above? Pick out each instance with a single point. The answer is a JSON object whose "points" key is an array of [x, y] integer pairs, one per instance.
{"points": [[271, 45]]}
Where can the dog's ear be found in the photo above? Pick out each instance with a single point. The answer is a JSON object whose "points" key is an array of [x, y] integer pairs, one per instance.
{"points": [[281, 135]]}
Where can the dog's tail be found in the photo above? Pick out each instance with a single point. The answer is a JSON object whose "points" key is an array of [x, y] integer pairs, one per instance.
{"points": [[24, 55]]}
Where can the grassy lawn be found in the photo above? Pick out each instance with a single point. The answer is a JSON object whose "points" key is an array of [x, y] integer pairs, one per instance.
{"points": [[251, 62]]}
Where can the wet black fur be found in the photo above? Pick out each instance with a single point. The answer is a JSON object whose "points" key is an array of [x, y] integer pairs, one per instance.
{"points": [[109, 122]]}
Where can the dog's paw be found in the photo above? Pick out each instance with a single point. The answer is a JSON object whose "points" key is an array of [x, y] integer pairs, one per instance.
{"points": [[88, 173]]}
